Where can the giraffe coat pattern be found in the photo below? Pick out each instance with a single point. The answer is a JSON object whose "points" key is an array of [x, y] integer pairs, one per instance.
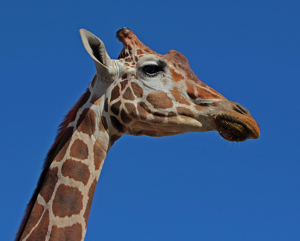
{"points": [[140, 93]]}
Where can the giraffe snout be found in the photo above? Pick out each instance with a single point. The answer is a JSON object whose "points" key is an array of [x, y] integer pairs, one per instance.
{"points": [[234, 122]]}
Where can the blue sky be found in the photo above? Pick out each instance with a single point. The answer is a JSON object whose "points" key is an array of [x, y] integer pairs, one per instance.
{"points": [[194, 186]]}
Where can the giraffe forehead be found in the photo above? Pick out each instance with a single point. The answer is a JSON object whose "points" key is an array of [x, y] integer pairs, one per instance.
{"points": [[135, 55], [180, 64], [176, 58]]}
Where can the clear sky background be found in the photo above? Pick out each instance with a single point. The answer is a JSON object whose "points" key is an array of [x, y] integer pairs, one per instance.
{"points": [[194, 186]]}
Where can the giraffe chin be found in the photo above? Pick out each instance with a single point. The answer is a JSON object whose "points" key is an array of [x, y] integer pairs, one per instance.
{"points": [[232, 129]]}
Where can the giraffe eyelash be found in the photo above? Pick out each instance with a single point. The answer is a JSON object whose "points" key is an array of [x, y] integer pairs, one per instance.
{"points": [[152, 70]]}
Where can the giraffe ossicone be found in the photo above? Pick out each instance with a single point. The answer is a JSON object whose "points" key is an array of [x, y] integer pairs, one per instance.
{"points": [[140, 93]]}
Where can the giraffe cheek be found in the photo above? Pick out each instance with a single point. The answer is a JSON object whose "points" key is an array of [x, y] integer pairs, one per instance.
{"points": [[191, 92], [143, 110], [131, 109], [128, 113], [137, 90], [115, 108], [116, 124], [185, 112], [125, 118], [128, 94], [115, 93], [178, 97], [159, 99]]}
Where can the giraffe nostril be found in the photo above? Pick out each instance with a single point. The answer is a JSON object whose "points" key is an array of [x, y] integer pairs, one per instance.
{"points": [[238, 108]]}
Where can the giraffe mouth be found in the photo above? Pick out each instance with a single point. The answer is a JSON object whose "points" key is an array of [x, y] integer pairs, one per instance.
{"points": [[232, 129]]}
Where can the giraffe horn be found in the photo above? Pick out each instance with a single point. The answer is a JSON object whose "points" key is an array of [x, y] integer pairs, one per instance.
{"points": [[96, 49], [131, 43]]}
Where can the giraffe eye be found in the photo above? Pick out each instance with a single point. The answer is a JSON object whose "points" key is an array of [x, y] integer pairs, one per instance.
{"points": [[152, 70]]}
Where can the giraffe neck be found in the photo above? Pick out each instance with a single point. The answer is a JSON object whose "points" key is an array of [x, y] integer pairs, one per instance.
{"points": [[60, 206]]}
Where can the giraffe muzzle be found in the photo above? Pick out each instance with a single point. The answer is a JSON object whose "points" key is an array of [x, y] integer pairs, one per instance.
{"points": [[236, 124]]}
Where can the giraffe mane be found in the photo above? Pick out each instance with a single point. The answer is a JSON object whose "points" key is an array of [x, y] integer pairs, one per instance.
{"points": [[50, 156]]}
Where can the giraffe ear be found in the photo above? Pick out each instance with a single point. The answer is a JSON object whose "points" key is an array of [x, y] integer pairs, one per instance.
{"points": [[96, 49]]}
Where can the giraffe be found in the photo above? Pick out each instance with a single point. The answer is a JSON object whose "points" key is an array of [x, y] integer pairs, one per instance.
{"points": [[140, 93]]}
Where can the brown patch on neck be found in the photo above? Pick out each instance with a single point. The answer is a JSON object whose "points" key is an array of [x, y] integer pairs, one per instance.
{"points": [[37, 213], [67, 201], [76, 170], [89, 204], [49, 185], [40, 232], [73, 233], [61, 140], [79, 150], [72, 114], [87, 122]]}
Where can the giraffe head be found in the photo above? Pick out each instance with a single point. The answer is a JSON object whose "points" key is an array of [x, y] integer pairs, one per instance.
{"points": [[147, 93]]}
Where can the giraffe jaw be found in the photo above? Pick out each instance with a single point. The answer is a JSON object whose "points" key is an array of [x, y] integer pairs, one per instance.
{"points": [[174, 126], [232, 129]]}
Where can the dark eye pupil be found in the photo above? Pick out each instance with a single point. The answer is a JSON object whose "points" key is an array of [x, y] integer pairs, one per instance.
{"points": [[151, 70]]}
